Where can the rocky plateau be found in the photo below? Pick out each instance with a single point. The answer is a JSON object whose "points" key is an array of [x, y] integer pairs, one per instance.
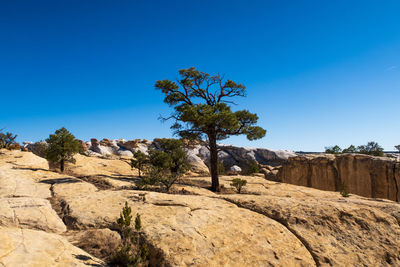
{"points": [[53, 219]]}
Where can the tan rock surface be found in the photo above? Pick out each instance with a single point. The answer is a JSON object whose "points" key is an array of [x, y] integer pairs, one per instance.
{"points": [[196, 230], [23, 247], [31, 213]]}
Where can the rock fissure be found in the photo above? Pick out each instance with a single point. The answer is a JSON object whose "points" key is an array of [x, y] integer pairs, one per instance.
{"points": [[395, 181]]}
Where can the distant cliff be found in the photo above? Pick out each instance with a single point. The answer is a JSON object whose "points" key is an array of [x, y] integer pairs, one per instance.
{"points": [[376, 177]]}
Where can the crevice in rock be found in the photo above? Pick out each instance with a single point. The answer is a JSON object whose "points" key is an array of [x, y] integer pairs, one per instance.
{"points": [[58, 206], [281, 220], [395, 182]]}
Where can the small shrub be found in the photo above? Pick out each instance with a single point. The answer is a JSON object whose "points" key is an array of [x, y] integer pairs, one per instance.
{"points": [[132, 250], [238, 184], [345, 190]]}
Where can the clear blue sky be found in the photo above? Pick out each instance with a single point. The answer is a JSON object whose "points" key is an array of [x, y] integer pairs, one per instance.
{"points": [[318, 73]]}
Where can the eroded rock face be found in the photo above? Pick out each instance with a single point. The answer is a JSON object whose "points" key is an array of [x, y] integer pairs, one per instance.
{"points": [[364, 175]]}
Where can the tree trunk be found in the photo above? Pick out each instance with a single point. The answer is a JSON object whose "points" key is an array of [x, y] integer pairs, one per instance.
{"points": [[214, 163], [62, 165]]}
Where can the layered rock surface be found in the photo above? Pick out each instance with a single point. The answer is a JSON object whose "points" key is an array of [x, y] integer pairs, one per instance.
{"points": [[377, 177], [270, 224]]}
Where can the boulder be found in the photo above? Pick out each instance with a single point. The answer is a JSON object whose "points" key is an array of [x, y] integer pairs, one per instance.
{"points": [[83, 145], [94, 142], [235, 169]]}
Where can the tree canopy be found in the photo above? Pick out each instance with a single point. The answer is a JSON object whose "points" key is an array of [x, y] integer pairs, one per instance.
{"points": [[202, 111], [61, 147]]}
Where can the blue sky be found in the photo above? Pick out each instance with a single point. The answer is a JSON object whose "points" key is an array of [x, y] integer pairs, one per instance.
{"points": [[318, 73]]}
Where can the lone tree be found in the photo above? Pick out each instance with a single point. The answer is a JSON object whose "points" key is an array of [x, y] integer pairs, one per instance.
{"points": [[202, 111], [62, 147]]}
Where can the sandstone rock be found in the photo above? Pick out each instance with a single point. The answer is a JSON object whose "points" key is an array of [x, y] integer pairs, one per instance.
{"points": [[241, 156], [30, 213], [196, 230], [125, 153], [336, 232], [130, 145], [235, 169], [88, 166], [369, 176], [24, 247], [38, 148], [94, 142], [83, 145], [198, 165], [272, 176]]}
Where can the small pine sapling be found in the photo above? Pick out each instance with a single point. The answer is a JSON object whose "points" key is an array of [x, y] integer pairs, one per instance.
{"points": [[132, 250], [238, 184]]}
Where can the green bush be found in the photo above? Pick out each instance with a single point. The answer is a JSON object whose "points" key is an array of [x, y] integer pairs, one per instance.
{"points": [[372, 148], [350, 149], [238, 184], [333, 150], [252, 168], [167, 164], [132, 250], [140, 161]]}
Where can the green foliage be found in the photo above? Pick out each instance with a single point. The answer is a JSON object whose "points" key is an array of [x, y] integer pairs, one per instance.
{"points": [[202, 112], [333, 150], [61, 147], [397, 147], [252, 168], [221, 168], [350, 149], [167, 164], [7, 140], [140, 161], [132, 250], [372, 148], [345, 190], [238, 184]]}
